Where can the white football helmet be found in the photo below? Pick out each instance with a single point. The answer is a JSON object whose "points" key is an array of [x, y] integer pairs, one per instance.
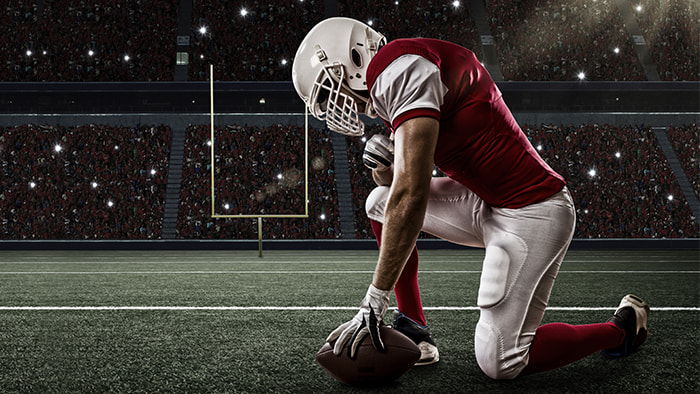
{"points": [[329, 72]]}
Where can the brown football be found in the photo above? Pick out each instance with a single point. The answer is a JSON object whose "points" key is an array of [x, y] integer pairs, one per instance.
{"points": [[371, 367]]}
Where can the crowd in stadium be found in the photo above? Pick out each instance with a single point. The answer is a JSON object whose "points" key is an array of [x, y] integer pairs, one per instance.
{"points": [[107, 40], [84, 182], [556, 41], [618, 175], [686, 142], [258, 171], [108, 182]]}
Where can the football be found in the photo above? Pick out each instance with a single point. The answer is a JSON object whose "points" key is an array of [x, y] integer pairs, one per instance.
{"points": [[371, 367]]}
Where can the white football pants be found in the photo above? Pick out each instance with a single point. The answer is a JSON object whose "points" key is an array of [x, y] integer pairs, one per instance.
{"points": [[524, 248]]}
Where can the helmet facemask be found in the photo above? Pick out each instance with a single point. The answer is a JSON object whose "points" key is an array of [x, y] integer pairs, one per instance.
{"points": [[338, 108]]}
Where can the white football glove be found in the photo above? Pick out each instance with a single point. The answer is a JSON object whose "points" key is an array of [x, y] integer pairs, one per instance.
{"points": [[379, 152], [367, 321]]}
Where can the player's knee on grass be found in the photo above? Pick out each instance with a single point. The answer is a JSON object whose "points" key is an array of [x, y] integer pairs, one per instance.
{"points": [[496, 361], [375, 203]]}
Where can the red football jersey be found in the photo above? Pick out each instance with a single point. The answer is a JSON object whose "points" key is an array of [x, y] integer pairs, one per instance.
{"points": [[480, 144]]}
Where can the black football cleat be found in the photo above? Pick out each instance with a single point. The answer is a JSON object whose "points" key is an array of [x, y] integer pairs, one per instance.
{"points": [[631, 316], [420, 335]]}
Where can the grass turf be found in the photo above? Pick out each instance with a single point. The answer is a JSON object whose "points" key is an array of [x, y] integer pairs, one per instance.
{"points": [[273, 350]]}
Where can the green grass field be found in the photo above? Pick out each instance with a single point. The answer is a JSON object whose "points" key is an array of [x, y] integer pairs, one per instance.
{"points": [[204, 321]]}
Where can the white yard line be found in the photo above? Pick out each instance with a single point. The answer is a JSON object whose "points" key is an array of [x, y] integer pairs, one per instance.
{"points": [[295, 308]]}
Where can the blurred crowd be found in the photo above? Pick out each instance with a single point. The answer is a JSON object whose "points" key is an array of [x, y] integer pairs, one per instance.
{"points": [[544, 40], [109, 182], [672, 33], [83, 182], [622, 184], [76, 40], [413, 18], [258, 171], [686, 142], [619, 177], [536, 40]]}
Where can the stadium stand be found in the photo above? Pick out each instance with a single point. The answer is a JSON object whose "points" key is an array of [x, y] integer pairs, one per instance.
{"points": [[624, 197], [672, 32], [412, 18], [258, 171], [83, 182], [106, 40], [255, 43], [686, 142], [541, 40]]}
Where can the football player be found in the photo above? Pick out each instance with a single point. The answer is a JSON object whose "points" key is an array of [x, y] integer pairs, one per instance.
{"points": [[443, 109]]}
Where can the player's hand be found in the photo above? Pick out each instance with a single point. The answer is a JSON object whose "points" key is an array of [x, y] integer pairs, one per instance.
{"points": [[379, 152], [367, 321]]}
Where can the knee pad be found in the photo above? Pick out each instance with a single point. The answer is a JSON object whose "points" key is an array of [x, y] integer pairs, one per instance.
{"points": [[493, 359], [376, 202], [494, 277]]}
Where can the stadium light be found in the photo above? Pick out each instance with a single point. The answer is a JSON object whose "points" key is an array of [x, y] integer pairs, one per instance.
{"points": [[370, 22], [127, 58], [581, 76], [32, 185], [110, 203], [57, 148], [616, 50], [618, 154], [670, 197], [116, 147], [322, 216], [227, 206], [153, 171], [91, 53], [284, 62], [94, 185], [203, 30], [434, 172], [638, 8], [29, 52], [455, 4], [539, 147], [43, 53], [244, 12], [591, 172], [279, 176]]}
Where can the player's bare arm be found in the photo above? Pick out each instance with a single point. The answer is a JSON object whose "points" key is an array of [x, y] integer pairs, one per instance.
{"points": [[415, 142]]}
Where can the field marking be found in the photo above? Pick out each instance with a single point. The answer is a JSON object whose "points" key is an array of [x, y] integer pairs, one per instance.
{"points": [[297, 308], [285, 272], [427, 260]]}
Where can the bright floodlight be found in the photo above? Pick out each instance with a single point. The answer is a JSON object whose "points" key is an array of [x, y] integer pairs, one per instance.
{"points": [[539, 147], [455, 4], [638, 8], [116, 147], [670, 197], [94, 185], [153, 171], [110, 203], [284, 62], [32, 185], [323, 216], [279, 176], [244, 12], [616, 50], [618, 154], [434, 172], [43, 52], [127, 58], [203, 30], [91, 52], [29, 52], [57, 148], [581, 75], [209, 143], [227, 206], [369, 22], [591, 172]]}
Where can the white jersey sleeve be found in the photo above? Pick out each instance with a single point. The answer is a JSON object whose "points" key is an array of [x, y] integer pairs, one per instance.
{"points": [[409, 82]]}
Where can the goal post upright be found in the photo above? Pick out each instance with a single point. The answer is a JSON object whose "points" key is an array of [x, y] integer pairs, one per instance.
{"points": [[259, 217]]}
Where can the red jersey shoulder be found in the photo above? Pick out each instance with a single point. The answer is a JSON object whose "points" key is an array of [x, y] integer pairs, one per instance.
{"points": [[395, 49]]}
